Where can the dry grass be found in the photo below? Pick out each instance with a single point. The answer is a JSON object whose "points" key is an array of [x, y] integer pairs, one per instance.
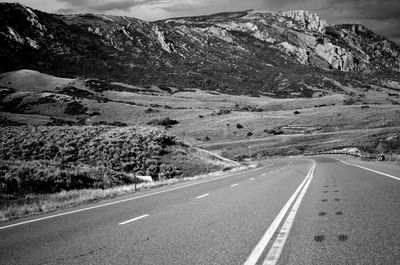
{"points": [[28, 80], [280, 145], [38, 204]]}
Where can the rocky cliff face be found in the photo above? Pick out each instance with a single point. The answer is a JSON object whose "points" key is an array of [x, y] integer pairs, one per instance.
{"points": [[241, 52], [306, 19]]}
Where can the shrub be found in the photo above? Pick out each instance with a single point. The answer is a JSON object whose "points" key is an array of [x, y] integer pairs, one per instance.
{"points": [[167, 122], [273, 131], [22, 178], [112, 123], [296, 112], [239, 126], [83, 156], [222, 112], [349, 101], [78, 93], [150, 110], [75, 108]]}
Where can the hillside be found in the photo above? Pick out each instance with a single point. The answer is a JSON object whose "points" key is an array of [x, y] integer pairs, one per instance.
{"points": [[225, 77], [283, 54], [51, 159], [224, 123]]}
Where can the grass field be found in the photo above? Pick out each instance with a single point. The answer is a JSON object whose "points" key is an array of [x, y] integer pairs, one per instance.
{"points": [[378, 140]]}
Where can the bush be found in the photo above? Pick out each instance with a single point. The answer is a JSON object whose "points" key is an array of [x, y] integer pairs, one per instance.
{"points": [[273, 131], [349, 101], [296, 112], [239, 126], [150, 110], [78, 93], [222, 112], [23, 178], [167, 122], [84, 157], [75, 108], [112, 123]]}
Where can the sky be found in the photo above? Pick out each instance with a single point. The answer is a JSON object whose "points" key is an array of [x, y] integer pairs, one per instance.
{"points": [[382, 16]]}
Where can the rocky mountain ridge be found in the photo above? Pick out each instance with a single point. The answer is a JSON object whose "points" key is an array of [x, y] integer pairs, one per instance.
{"points": [[250, 52]]}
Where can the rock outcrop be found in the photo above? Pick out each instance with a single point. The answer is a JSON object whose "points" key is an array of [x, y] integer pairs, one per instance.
{"points": [[307, 19]]}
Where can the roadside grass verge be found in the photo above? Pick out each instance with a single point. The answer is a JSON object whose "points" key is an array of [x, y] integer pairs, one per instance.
{"points": [[35, 204]]}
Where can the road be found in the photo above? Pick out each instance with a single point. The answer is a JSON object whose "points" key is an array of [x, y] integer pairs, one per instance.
{"points": [[314, 210]]}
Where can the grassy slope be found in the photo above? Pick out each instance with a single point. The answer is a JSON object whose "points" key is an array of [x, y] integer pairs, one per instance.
{"points": [[36, 162]]}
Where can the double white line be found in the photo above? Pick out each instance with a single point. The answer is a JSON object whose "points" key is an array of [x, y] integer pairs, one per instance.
{"points": [[276, 249]]}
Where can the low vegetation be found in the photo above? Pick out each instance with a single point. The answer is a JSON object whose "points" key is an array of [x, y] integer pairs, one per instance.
{"points": [[130, 149], [380, 141], [39, 161], [166, 122], [75, 108]]}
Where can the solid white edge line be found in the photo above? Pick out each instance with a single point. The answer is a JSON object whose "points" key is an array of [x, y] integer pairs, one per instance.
{"points": [[202, 196], [234, 185], [125, 200], [372, 170], [277, 247], [261, 245], [134, 219]]}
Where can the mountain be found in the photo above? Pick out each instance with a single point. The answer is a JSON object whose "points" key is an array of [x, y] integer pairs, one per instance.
{"points": [[280, 54]]}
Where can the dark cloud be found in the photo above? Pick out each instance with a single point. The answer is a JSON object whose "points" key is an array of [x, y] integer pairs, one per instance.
{"points": [[282, 5], [103, 6], [277, 4], [382, 16], [163, 7], [120, 5], [365, 9], [65, 11], [178, 7]]}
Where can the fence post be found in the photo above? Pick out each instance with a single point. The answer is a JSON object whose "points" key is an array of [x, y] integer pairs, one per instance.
{"points": [[134, 178]]}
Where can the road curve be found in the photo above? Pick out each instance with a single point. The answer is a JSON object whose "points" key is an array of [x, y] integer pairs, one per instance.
{"points": [[316, 210]]}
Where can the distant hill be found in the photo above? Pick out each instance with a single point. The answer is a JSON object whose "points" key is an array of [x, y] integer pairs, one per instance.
{"points": [[284, 54]]}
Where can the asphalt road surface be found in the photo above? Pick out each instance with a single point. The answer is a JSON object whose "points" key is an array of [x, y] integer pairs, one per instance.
{"points": [[315, 210]]}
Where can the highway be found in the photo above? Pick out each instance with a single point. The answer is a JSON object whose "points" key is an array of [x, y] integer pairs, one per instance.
{"points": [[311, 210]]}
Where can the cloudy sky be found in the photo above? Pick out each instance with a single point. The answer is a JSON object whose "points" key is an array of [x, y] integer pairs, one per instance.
{"points": [[382, 16]]}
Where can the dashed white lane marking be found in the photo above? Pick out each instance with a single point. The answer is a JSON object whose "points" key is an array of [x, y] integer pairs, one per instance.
{"points": [[375, 171], [202, 196], [276, 249], [262, 244], [252, 179], [234, 185], [128, 199], [133, 220]]}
